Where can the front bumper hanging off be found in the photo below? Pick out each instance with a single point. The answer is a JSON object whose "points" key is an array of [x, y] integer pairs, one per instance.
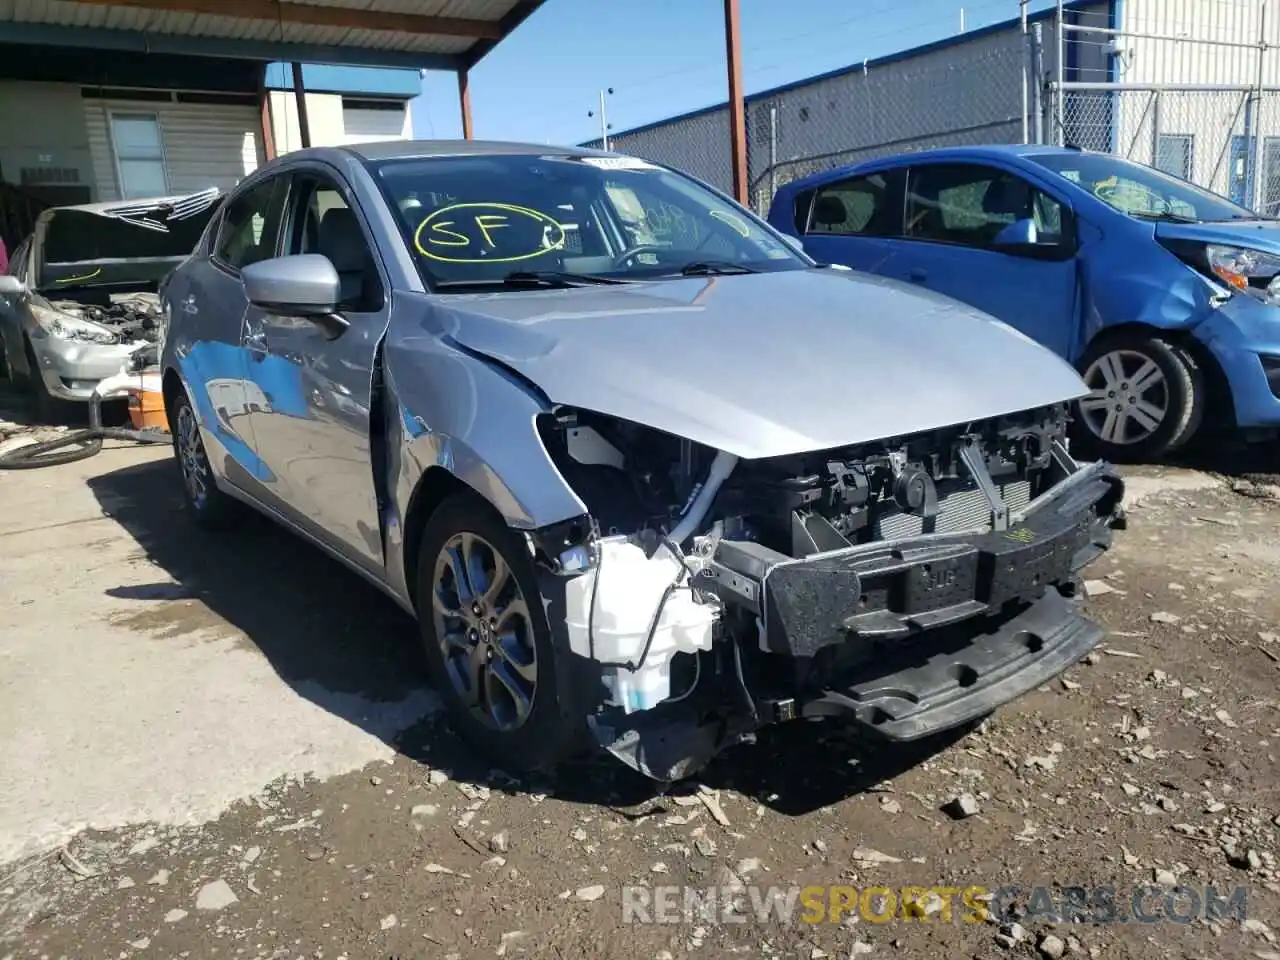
{"points": [[915, 636]]}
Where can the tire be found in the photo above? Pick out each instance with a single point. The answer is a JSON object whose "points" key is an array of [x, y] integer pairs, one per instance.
{"points": [[208, 506], [524, 658], [1148, 398]]}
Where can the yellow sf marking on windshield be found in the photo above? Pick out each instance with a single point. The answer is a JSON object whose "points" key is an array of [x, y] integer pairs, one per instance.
{"points": [[460, 239], [736, 222], [490, 221], [87, 276], [436, 232]]}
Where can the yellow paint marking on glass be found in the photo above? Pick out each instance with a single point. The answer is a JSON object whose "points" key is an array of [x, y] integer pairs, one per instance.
{"points": [[438, 233], [87, 276], [736, 222]]}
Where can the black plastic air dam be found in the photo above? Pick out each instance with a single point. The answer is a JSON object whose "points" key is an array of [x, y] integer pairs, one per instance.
{"points": [[954, 687], [890, 591]]}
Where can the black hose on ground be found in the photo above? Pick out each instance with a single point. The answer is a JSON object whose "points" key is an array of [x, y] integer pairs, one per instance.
{"points": [[77, 445]]}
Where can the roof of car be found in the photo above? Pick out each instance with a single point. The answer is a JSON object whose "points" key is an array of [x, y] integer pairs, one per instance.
{"points": [[398, 149], [981, 152]]}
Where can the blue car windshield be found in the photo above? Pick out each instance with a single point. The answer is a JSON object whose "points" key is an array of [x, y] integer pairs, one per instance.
{"points": [[1140, 191], [477, 220]]}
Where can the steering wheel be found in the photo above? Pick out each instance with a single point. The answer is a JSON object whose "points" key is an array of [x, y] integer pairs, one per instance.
{"points": [[622, 259]]}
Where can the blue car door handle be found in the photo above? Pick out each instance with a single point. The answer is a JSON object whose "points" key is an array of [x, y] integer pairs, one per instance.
{"points": [[918, 275]]}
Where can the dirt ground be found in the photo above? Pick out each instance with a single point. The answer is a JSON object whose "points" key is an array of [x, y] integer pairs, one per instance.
{"points": [[233, 757]]}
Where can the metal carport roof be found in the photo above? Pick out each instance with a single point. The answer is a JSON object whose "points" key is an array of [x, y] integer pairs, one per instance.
{"points": [[432, 34]]}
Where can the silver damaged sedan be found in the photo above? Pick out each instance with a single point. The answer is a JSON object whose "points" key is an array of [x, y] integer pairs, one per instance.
{"points": [[648, 477]]}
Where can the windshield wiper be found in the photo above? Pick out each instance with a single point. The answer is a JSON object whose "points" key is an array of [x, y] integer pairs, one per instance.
{"points": [[533, 278], [713, 268], [1165, 217]]}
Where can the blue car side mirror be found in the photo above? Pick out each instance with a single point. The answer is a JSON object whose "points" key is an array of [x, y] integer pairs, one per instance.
{"points": [[1020, 233]]}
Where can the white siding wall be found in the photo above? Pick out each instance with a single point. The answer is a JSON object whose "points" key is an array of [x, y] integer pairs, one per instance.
{"points": [[42, 127], [1214, 120], [204, 144], [369, 126], [333, 125]]}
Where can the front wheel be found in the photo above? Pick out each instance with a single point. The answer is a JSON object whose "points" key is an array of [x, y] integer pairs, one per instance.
{"points": [[1146, 398], [208, 506], [488, 643]]}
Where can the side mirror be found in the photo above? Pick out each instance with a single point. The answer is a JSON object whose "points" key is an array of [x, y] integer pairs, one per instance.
{"points": [[11, 286], [305, 285], [1022, 239], [1020, 233]]}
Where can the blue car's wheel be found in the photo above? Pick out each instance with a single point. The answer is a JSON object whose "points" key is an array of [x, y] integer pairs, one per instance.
{"points": [[1146, 398]]}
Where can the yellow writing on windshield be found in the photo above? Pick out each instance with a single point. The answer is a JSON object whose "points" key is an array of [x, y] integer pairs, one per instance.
{"points": [[487, 233]]}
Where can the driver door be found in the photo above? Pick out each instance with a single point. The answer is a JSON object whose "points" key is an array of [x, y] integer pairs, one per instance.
{"points": [[953, 213], [312, 422]]}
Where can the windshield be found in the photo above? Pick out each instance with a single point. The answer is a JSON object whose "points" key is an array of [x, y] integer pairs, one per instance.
{"points": [[1142, 192], [129, 244], [478, 220]]}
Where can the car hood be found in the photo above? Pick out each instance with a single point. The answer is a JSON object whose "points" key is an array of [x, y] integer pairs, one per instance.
{"points": [[121, 242], [765, 364], [1258, 234]]}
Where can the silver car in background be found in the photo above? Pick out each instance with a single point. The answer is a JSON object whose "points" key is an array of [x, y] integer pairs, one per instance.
{"points": [[648, 477], [80, 298]]}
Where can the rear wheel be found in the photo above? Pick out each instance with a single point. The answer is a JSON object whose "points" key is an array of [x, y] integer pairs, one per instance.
{"points": [[209, 506], [1146, 398], [488, 643]]}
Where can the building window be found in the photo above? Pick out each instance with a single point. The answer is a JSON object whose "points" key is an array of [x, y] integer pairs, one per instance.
{"points": [[1175, 154], [139, 153]]}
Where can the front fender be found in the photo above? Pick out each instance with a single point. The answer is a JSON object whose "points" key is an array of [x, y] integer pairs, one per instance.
{"points": [[448, 409], [1126, 280]]}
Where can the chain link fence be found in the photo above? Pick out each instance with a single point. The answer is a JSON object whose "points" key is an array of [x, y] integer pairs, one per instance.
{"points": [[1189, 86]]}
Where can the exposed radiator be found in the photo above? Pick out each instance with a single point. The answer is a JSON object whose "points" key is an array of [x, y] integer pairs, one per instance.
{"points": [[962, 507]]}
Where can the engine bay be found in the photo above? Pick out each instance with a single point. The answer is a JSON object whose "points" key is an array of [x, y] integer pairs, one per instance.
{"points": [[132, 317], [715, 595], [634, 479]]}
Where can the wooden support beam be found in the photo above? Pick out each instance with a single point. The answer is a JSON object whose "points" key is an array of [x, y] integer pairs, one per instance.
{"points": [[265, 121], [464, 103], [737, 107], [300, 98], [306, 14]]}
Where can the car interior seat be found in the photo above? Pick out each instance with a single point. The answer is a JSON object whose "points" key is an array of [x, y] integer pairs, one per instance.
{"points": [[341, 240], [829, 211], [1006, 201]]}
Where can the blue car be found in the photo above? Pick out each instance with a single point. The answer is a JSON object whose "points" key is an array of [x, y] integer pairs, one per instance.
{"points": [[1164, 296]]}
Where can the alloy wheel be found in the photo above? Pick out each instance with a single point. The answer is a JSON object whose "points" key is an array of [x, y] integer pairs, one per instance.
{"points": [[485, 631], [1129, 397], [191, 455]]}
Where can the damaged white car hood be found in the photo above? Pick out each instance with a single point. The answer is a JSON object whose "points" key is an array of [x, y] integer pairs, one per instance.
{"points": [[765, 364]]}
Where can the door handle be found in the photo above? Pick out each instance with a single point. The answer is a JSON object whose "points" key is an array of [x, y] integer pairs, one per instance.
{"points": [[918, 275]]}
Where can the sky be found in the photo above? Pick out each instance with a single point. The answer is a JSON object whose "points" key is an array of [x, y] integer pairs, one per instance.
{"points": [[666, 57]]}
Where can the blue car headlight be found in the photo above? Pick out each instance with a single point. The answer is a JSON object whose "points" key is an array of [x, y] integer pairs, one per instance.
{"points": [[1248, 271], [1254, 273]]}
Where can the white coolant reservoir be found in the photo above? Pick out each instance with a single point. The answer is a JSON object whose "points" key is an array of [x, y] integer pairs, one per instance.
{"points": [[631, 588]]}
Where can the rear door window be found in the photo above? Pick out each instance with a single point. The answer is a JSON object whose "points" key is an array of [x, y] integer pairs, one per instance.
{"points": [[250, 229], [866, 206]]}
